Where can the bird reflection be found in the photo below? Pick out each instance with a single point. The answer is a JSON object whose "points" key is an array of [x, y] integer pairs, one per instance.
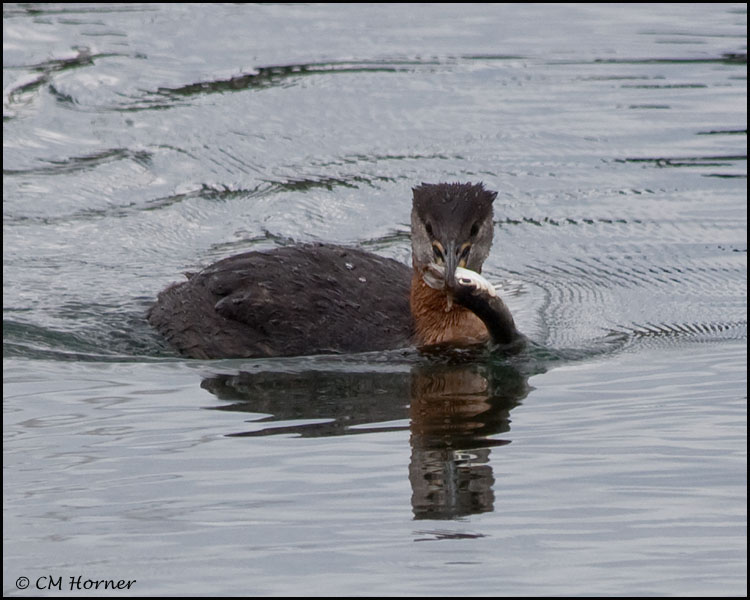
{"points": [[454, 408]]}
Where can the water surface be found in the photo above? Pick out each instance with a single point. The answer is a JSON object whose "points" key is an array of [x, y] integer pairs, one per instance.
{"points": [[143, 141]]}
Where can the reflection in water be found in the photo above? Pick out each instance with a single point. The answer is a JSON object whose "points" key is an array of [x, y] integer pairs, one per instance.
{"points": [[453, 411], [343, 400]]}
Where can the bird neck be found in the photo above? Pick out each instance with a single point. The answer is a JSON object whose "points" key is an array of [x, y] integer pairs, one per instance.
{"points": [[438, 320]]}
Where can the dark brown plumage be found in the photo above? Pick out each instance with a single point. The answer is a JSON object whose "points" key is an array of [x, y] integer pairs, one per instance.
{"points": [[321, 298]]}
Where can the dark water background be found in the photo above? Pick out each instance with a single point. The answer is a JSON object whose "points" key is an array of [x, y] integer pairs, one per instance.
{"points": [[142, 141]]}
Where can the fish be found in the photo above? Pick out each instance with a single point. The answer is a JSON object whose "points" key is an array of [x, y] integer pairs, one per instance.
{"points": [[434, 276]]}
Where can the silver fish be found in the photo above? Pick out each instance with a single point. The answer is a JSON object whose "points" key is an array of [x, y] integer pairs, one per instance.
{"points": [[434, 276]]}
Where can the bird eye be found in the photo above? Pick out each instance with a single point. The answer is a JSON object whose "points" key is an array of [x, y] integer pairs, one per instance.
{"points": [[437, 252], [428, 227], [474, 229], [464, 254]]}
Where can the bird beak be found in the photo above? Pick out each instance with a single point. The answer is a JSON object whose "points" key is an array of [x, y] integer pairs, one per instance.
{"points": [[451, 262]]}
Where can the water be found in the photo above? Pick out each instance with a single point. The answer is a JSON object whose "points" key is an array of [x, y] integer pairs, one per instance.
{"points": [[142, 141]]}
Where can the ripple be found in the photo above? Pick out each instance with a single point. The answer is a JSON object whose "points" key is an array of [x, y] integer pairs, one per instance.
{"points": [[688, 161], [674, 334], [85, 332], [274, 75], [75, 164]]}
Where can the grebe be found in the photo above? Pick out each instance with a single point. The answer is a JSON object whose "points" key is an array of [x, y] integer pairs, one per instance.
{"points": [[322, 299]]}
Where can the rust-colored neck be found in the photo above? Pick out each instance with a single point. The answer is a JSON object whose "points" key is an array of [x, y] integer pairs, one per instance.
{"points": [[438, 322]]}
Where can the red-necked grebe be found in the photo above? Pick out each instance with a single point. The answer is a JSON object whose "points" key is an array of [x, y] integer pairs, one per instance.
{"points": [[322, 298]]}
